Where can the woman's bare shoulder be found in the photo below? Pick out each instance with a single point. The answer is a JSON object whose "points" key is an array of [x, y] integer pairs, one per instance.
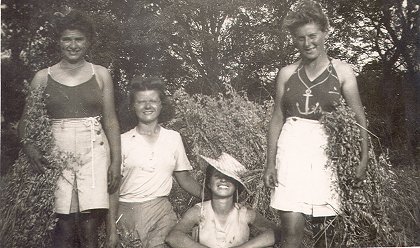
{"points": [[341, 66], [286, 72], [103, 76], [40, 79], [193, 214], [290, 68], [100, 69], [344, 71]]}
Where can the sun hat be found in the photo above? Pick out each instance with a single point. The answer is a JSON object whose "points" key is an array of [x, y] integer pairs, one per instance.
{"points": [[229, 166]]}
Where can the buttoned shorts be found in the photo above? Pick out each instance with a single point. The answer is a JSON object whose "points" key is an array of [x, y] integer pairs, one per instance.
{"points": [[83, 184]]}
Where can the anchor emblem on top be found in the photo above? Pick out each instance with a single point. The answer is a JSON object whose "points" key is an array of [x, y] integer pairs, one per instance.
{"points": [[308, 94], [308, 110]]}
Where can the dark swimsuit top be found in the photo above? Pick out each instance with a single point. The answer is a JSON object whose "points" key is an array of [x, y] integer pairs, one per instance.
{"points": [[306, 99], [83, 100]]}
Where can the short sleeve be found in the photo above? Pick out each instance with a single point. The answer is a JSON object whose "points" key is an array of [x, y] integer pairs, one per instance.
{"points": [[124, 147], [181, 160]]}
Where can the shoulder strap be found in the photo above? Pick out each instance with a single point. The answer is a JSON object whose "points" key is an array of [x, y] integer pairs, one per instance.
{"points": [[93, 69]]}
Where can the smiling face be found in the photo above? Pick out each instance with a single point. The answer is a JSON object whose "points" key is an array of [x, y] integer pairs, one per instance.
{"points": [[147, 106], [310, 39], [73, 45], [221, 185]]}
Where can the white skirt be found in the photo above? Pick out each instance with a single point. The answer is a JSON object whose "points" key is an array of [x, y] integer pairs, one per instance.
{"points": [[306, 185]]}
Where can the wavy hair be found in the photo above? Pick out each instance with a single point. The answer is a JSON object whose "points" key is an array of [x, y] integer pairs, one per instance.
{"points": [[305, 12], [74, 20]]}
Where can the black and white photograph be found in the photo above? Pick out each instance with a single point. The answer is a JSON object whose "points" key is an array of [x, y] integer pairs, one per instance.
{"points": [[210, 123]]}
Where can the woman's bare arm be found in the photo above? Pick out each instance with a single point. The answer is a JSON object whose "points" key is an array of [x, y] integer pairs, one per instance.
{"points": [[179, 236]]}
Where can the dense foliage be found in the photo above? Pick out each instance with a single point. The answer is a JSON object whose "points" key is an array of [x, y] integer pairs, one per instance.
{"points": [[27, 215], [203, 46], [372, 211], [232, 124], [381, 212]]}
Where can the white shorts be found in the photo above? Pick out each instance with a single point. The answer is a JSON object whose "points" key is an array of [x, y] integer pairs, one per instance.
{"points": [[84, 138], [306, 185]]}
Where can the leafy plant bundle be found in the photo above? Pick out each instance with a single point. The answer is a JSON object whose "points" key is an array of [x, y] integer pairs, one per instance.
{"points": [[27, 209], [382, 212], [232, 124], [378, 212]]}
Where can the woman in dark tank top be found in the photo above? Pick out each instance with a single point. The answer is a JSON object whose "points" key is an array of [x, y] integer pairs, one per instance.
{"points": [[79, 100], [296, 168]]}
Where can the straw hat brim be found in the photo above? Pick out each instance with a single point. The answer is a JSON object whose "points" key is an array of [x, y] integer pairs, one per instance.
{"points": [[220, 167]]}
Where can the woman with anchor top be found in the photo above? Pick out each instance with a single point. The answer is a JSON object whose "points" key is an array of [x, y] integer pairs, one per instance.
{"points": [[296, 161], [79, 99]]}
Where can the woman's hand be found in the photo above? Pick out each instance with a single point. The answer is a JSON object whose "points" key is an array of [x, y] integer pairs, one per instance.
{"points": [[270, 177], [36, 160], [114, 178]]}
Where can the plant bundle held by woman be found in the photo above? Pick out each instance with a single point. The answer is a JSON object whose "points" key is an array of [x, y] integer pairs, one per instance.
{"points": [[296, 160], [222, 222], [151, 155], [79, 99]]}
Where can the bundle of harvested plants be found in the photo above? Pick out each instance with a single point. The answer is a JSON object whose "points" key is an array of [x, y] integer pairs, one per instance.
{"points": [[27, 209]]}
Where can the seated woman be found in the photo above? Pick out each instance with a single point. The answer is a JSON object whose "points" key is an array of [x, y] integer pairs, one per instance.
{"points": [[222, 221]]}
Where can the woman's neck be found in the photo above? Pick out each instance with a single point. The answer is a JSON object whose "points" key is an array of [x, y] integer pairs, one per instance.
{"points": [[222, 206], [317, 63], [148, 129], [69, 65], [314, 68]]}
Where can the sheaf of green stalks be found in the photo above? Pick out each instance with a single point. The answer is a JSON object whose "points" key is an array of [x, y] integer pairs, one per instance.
{"points": [[377, 213], [229, 123], [27, 209]]}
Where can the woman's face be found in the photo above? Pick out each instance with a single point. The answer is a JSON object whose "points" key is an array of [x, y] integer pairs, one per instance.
{"points": [[147, 106], [221, 185], [73, 45], [310, 39]]}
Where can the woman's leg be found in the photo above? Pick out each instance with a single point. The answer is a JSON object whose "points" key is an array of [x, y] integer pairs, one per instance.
{"points": [[89, 223], [65, 231], [292, 225]]}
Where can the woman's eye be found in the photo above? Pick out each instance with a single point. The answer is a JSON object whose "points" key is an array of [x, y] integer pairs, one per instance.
{"points": [[152, 102]]}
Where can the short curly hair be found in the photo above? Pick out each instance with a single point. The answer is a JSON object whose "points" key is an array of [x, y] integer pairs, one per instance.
{"points": [[138, 83], [306, 12], [75, 20]]}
